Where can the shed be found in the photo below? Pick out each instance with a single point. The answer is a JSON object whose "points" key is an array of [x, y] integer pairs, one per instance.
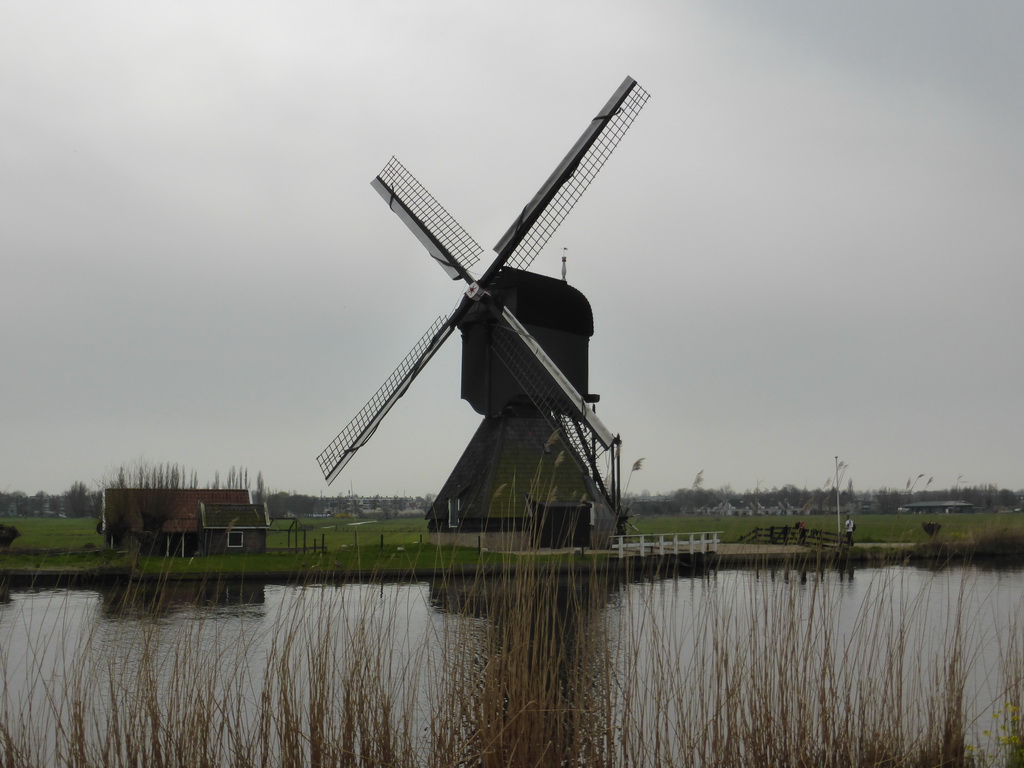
{"points": [[231, 528]]}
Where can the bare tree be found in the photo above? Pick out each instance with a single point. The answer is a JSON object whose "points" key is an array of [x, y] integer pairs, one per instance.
{"points": [[261, 490], [79, 501], [138, 498]]}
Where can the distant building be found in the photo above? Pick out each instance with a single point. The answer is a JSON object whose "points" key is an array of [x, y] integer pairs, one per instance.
{"points": [[937, 507], [726, 509]]}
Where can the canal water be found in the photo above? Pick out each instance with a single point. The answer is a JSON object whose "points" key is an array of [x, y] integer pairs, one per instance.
{"points": [[672, 639]]}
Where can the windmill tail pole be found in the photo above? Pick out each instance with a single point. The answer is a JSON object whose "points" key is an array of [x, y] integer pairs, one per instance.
{"points": [[617, 475]]}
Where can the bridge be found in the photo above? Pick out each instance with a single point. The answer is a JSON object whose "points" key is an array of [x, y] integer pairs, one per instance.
{"points": [[643, 544]]}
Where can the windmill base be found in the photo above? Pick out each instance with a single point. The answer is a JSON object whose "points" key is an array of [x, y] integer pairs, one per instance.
{"points": [[554, 527], [516, 488]]}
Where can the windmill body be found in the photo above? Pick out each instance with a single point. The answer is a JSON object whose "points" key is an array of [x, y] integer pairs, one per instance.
{"points": [[542, 468], [557, 315], [517, 483]]}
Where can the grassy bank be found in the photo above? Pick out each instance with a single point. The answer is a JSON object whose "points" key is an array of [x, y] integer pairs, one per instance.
{"points": [[76, 533], [54, 544], [80, 533]]}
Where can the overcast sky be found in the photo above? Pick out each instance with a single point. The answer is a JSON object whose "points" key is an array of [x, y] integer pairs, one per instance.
{"points": [[808, 245]]}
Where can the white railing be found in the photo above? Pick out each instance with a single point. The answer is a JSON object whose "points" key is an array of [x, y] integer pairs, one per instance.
{"points": [[666, 543]]}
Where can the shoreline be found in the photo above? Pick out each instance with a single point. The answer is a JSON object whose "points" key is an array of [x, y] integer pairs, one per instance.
{"points": [[729, 556]]}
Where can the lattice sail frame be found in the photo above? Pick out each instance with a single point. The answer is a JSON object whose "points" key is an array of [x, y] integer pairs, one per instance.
{"points": [[358, 431], [545, 212], [566, 413], [444, 238]]}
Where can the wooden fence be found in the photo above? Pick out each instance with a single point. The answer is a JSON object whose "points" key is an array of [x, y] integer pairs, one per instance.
{"points": [[790, 534]]}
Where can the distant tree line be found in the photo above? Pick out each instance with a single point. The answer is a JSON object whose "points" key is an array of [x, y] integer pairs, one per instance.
{"points": [[81, 501], [77, 501]]}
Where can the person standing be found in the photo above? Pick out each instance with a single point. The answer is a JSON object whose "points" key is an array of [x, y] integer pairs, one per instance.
{"points": [[850, 528]]}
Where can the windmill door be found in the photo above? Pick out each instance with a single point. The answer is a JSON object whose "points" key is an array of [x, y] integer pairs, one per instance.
{"points": [[563, 525]]}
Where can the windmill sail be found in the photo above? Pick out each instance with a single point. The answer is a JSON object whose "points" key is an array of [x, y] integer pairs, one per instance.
{"points": [[358, 431], [555, 397], [519, 346], [540, 218], [443, 237]]}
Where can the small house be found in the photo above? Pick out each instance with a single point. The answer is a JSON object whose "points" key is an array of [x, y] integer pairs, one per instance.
{"points": [[229, 528], [162, 521]]}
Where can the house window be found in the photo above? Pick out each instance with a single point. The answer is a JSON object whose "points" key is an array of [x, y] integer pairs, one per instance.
{"points": [[453, 512], [234, 538]]}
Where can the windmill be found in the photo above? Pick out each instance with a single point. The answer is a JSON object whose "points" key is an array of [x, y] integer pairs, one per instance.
{"points": [[524, 362]]}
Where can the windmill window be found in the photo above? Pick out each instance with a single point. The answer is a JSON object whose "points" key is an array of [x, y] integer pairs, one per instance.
{"points": [[234, 538]]}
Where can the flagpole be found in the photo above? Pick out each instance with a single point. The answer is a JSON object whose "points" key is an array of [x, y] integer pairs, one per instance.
{"points": [[839, 522]]}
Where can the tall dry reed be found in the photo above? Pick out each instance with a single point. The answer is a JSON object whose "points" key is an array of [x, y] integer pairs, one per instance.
{"points": [[769, 679], [538, 666]]}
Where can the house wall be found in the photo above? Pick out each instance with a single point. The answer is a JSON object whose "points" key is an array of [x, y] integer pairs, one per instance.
{"points": [[253, 541], [177, 545]]}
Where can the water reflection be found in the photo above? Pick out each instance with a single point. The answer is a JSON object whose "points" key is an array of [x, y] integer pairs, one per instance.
{"points": [[479, 597], [836, 572], [531, 666], [160, 599]]}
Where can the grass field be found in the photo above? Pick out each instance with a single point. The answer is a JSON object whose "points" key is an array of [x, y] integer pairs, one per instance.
{"points": [[871, 529], [76, 533], [54, 532], [393, 545], [402, 543], [335, 533]]}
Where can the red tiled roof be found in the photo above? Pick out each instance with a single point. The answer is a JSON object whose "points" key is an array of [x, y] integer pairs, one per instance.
{"points": [[183, 504]]}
